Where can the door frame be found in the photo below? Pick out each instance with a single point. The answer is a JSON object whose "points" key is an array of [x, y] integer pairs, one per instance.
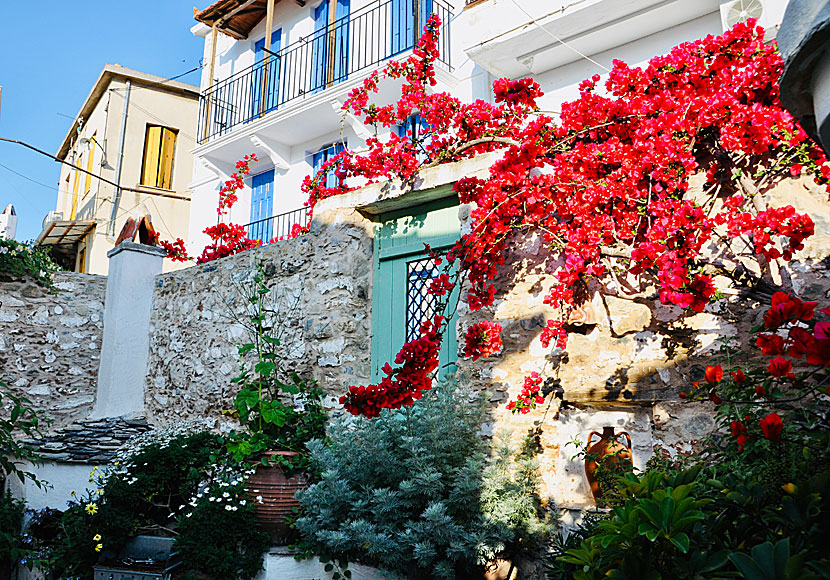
{"points": [[384, 326]]}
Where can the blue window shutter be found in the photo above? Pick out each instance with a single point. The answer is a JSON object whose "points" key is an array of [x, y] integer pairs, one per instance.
{"points": [[272, 91], [341, 41], [320, 48], [425, 11], [402, 25], [317, 161]]}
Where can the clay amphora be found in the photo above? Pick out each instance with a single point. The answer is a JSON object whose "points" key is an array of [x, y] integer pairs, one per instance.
{"points": [[607, 454]]}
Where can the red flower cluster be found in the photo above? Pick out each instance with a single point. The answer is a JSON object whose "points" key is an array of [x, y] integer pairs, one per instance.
{"points": [[739, 432], [520, 93], [772, 425], [795, 316], [227, 239], [402, 385], [714, 374], [482, 339], [530, 395], [786, 308]]}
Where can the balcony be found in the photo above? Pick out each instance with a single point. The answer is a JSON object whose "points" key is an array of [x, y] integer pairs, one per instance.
{"points": [[277, 227], [328, 57]]}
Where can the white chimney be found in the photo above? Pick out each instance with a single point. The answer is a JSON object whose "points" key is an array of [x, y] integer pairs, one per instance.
{"points": [[125, 347], [8, 223]]}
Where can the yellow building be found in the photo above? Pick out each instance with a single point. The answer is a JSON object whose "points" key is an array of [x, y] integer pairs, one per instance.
{"points": [[135, 130]]}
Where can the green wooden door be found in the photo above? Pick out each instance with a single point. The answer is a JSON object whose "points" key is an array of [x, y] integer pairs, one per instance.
{"points": [[403, 273]]}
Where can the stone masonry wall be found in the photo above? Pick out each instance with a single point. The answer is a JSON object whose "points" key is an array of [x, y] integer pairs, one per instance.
{"points": [[50, 342], [320, 283]]}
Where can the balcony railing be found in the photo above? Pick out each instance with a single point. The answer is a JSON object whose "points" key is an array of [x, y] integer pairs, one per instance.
{"points": [[323, 59], [277, 227]]}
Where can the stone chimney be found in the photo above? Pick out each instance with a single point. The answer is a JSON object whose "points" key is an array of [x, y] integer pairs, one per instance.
{"points": [[125, 346]]}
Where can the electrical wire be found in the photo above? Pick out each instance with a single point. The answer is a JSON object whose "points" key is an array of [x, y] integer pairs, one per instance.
{"points": [[166, 80], [26, 177], [552, 35], [157, 118]]}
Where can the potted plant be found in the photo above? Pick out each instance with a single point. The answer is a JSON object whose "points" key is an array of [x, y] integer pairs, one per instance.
{"points": [[279, 413]]}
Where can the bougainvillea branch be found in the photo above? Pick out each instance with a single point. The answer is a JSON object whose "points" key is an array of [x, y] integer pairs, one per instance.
{"points": [[607, 185], [227, 238]]}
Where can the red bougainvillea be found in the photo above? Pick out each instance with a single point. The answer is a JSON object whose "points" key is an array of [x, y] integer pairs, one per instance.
{"points": [[530, 395], [482, 339], [607, 181], [771, 426], [227, 238]]}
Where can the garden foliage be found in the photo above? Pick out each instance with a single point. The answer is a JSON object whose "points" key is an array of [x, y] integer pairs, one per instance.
{"points": [[155, 486], [278, 410], [18, 259], [755, 503], [413, 492]]}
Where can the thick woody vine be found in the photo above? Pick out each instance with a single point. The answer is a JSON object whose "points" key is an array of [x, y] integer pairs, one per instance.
{"points": [[606, 184]]}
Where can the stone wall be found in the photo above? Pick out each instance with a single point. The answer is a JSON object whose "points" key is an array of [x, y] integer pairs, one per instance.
{"points": [[628, 355], [320, 284], [50, 342]]}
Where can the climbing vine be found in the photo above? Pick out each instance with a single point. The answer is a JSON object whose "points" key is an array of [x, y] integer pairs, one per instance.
{"points": [[606, 183]]}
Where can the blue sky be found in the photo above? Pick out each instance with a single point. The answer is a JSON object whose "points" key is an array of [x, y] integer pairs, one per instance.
{"points": [[50, 55]]}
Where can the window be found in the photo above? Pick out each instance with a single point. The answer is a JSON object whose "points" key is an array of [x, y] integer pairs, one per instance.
{"points": [[323, 155], [159, 147], [417, 129], [89, 158]]}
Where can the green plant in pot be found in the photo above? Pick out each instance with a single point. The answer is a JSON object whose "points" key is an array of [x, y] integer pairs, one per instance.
{"points": [[278, 411]]}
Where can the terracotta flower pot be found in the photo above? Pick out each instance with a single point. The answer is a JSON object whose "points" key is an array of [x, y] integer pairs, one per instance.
{"points": [[607, 453], [273, 494]]}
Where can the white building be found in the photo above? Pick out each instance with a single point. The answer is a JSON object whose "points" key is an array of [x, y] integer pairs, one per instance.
{"points": [[281, 97], [8, 223]]}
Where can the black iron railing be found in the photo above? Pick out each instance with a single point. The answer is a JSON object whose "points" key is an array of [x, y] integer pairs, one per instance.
{"points": [[325, 58], [277, 227]]}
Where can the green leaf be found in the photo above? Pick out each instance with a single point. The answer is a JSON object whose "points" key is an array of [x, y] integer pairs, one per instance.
{"points": [[273, 412], [748, 567], [682, 542], [265, 367]]}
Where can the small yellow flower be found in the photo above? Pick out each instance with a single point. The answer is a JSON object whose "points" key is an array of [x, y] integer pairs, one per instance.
{"points": [[92, 508], [789, 488], [96, 538], [99, 547]]}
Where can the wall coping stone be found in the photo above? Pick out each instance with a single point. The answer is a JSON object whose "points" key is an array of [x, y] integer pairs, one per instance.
{"points": [[134, 247], [91, 441]]}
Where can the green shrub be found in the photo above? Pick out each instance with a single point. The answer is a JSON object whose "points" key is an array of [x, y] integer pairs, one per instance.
{"points": [[218, 537], [711, 522], [12, 546], [414, 492], [18, 259], [153, 487]]}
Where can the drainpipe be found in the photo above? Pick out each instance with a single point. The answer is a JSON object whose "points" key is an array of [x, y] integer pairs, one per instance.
{"points": [[120, 160]]}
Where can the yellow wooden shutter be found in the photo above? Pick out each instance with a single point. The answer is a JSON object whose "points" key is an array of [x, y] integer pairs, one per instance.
{"points": [[168, 147], [152, 143], [75, 191], [89, 159]]}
